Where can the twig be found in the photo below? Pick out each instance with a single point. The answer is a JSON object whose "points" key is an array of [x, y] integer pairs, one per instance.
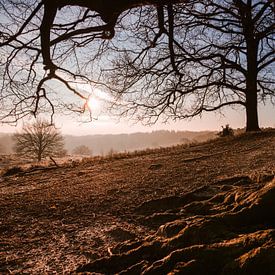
{"points": [[54, 162]]}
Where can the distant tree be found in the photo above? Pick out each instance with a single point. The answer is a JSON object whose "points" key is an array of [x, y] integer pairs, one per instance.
{"points": [[39, 140], [82, 150]]}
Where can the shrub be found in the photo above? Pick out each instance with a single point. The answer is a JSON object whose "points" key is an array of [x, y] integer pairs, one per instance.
{"points": [[226, 131]]}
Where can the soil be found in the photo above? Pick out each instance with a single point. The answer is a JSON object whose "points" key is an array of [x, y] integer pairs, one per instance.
{"points": [[185, 210]]}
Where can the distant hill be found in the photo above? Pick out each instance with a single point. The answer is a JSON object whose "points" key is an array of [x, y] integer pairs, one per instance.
{"points": [[6, 143], [103, 144]]}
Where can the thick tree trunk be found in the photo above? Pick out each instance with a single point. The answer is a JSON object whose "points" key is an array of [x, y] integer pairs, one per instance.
{"points": [[252, 122]]}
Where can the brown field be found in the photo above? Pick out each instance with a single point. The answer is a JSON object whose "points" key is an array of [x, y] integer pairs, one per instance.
{"points": [[55, 219]]}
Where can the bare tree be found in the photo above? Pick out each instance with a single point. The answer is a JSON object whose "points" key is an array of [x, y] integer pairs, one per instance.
{"points": [[39, 140], [202, 56], [172, 58], [48, 43], [82, 150]]}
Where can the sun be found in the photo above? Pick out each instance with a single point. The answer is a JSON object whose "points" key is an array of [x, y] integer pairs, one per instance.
{"points": [[96, 100], [93, 103]]}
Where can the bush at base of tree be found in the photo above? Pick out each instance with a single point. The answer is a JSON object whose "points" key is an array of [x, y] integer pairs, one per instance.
{"points": [[226, 131]]}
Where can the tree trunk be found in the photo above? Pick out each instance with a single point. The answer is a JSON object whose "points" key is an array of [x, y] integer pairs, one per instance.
{"points": [[39, 153], [39, 157], [252, 122]]}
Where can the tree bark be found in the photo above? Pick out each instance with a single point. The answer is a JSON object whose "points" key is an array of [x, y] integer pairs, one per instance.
{"points": [[252, 122], [39, 157]]}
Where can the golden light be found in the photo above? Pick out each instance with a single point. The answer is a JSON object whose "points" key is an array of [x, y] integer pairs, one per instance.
{"points": [[93, 104]]}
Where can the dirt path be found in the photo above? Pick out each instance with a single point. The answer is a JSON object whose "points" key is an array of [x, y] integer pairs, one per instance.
{"points": [[56, 220]]}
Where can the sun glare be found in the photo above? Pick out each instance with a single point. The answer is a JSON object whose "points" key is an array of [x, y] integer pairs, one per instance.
{"points": [[93, 104], [97, 99]]}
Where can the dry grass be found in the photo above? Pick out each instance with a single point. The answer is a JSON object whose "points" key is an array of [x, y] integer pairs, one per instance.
{"points": [[54, 220]]}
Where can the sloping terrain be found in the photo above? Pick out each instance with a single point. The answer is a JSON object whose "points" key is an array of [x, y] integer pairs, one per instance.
{"points": [[207, 208], [225, 228]]}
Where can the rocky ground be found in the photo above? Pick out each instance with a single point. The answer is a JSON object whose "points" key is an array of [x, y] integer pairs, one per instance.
{"points": [[201, 209]]}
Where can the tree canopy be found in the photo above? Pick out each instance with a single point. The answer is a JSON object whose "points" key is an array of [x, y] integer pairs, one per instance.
{"points": [[203, 56], [176, 59]]}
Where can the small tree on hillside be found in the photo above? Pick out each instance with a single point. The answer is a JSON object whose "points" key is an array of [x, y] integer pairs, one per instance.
{"points": [[82, 150], [39, 140]]}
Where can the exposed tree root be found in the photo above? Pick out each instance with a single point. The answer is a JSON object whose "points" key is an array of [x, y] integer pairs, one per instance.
{"points": [[224, 228]]}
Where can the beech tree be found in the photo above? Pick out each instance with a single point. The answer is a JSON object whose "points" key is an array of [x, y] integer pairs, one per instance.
{"points": [[39, 140], [175, 59]]}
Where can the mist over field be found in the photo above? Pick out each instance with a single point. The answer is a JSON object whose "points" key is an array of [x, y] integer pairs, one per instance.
{"points": [[103, 144]]}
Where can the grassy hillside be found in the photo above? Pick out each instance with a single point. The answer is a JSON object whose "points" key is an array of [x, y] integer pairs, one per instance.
{"points": [[161, 211]]}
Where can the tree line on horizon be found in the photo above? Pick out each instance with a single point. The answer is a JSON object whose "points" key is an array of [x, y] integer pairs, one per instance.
{"points": [[33, 138]]}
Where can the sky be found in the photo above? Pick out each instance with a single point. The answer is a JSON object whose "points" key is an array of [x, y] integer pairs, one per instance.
{"points": [[106, 125], [209, 121]]}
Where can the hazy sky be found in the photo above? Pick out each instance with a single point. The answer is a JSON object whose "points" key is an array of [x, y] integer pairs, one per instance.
{"points": [[104, 125], [75, 125], [209, 121]]}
